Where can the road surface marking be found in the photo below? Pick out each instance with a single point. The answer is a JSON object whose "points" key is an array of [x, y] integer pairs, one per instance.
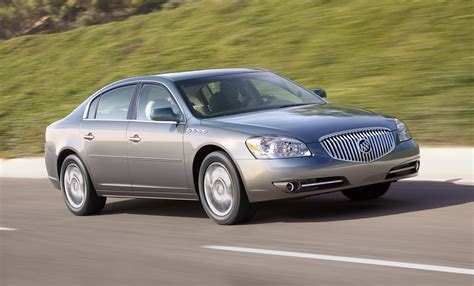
{"points": [[345, 259], [7, 228]]}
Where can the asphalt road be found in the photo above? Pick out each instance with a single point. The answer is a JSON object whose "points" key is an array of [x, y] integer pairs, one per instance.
{"points": [[153, 242]]}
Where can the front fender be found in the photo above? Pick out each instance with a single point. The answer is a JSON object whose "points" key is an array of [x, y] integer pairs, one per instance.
{"points": [[231, 141]]}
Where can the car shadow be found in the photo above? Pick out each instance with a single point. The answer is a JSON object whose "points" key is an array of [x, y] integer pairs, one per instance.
{"points": [[403, 197], [156, 207]]}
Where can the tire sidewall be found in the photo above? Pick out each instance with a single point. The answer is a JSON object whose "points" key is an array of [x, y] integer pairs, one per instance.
{"points": [[223, 159], [69, 160]]}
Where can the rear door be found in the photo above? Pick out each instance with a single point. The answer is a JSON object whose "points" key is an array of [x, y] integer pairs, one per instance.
{"points": [[104, 139], [155, 148]]}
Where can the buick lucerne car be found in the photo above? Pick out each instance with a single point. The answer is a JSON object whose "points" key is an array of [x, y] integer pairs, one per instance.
{"points": [[227, 137]]}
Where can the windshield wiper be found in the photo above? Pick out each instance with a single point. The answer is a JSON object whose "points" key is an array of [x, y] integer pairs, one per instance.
{"points": [[257, 108], [294, 104]]}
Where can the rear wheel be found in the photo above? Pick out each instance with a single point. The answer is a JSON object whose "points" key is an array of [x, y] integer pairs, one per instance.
{"points": [[367, 192], [221, 191], [79, 193]]}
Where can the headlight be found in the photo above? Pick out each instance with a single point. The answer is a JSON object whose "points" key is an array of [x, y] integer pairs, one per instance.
{"points": [[403, 132], [270, 147]]}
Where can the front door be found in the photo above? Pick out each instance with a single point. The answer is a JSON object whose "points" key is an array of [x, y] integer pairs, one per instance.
{"points": [[104, 138], [155, 148]]}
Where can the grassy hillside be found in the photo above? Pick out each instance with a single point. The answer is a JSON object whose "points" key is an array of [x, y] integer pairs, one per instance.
{"points": [[411, 59]]}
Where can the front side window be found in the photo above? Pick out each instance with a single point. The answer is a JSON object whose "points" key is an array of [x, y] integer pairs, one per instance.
{"points": [[270, 91], [114, 104], [239, 93], [154, 96]]}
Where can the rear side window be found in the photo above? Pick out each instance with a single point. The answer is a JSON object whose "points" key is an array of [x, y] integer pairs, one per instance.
{"points": [[114, 104], [93, 108]]}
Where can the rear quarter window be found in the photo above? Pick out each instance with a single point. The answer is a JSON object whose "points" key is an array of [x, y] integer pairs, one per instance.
{"points": [[93, 108]]}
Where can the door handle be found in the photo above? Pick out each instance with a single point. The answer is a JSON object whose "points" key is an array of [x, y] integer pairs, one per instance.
{"points": [[89, 136], [135, 138]]}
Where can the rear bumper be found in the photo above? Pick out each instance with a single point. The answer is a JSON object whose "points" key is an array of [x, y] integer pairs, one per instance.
{"points": [[50, 159], [266, 179]]}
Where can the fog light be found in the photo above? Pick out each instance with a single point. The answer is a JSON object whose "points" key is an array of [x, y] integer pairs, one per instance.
{"points": [[292, 187]]}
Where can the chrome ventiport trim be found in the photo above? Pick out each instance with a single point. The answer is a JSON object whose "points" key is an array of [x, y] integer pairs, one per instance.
{"points": [[359, 145], [402, 169], [321, 183]]}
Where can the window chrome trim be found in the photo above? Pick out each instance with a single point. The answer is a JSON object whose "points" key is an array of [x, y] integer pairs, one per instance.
{"points": [[162, 122], [110, 120], [88, 107], [133, 120], [94, 96], [86, 110]]}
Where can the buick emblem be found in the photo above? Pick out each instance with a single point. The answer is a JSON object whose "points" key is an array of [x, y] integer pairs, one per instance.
{"points": [[364, 145]]}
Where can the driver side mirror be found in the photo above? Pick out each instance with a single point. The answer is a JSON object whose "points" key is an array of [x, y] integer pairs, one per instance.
{"points": [[321, 92], [165, 114]]}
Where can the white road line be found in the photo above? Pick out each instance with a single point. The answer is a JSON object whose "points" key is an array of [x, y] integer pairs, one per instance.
{"points": [[345, 259], [8, 228]]}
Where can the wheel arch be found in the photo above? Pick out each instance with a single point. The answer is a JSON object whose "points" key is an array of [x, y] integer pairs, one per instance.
{"points": [[199, 158], [62, 155]]}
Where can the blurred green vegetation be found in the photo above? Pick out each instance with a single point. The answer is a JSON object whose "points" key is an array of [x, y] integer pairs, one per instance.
{"points": [[410, 59]]}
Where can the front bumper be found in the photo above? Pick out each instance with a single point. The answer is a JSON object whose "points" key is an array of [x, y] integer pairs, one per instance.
{"points": [[261, 178]]}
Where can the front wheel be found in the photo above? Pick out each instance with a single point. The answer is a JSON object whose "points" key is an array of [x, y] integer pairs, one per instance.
{"points": [[367, 192], [79, 193], [221, 191]]}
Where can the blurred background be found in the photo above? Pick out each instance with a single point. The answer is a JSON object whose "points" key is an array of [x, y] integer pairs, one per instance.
{"points": [[410, 59]]}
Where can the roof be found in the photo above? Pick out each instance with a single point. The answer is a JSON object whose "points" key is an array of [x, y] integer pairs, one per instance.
{"points": [[205, 73], [177, 76]]}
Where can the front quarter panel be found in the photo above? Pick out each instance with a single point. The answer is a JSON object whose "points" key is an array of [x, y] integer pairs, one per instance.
{"points": [[258, 175], [198, 136]]}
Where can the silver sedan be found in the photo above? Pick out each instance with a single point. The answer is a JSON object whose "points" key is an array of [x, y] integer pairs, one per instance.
{"points": [[227, 137]]}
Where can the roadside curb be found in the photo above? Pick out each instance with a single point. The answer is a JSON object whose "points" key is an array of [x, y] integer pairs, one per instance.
{"points": [[439, 164], [31, 168]]}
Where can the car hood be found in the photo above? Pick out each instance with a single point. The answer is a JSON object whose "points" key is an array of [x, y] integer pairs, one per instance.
{"points": [[307, 123]]}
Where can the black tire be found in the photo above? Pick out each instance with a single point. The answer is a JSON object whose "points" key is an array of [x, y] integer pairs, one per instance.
{"points": [[367, 192], [240, 210], [92, 203]]}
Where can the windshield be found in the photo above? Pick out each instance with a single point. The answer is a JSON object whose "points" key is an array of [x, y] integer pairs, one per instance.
{"points": [[239, 93]]}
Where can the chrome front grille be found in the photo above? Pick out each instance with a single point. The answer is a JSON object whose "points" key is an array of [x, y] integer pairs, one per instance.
{"points": [[361, 145]]}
